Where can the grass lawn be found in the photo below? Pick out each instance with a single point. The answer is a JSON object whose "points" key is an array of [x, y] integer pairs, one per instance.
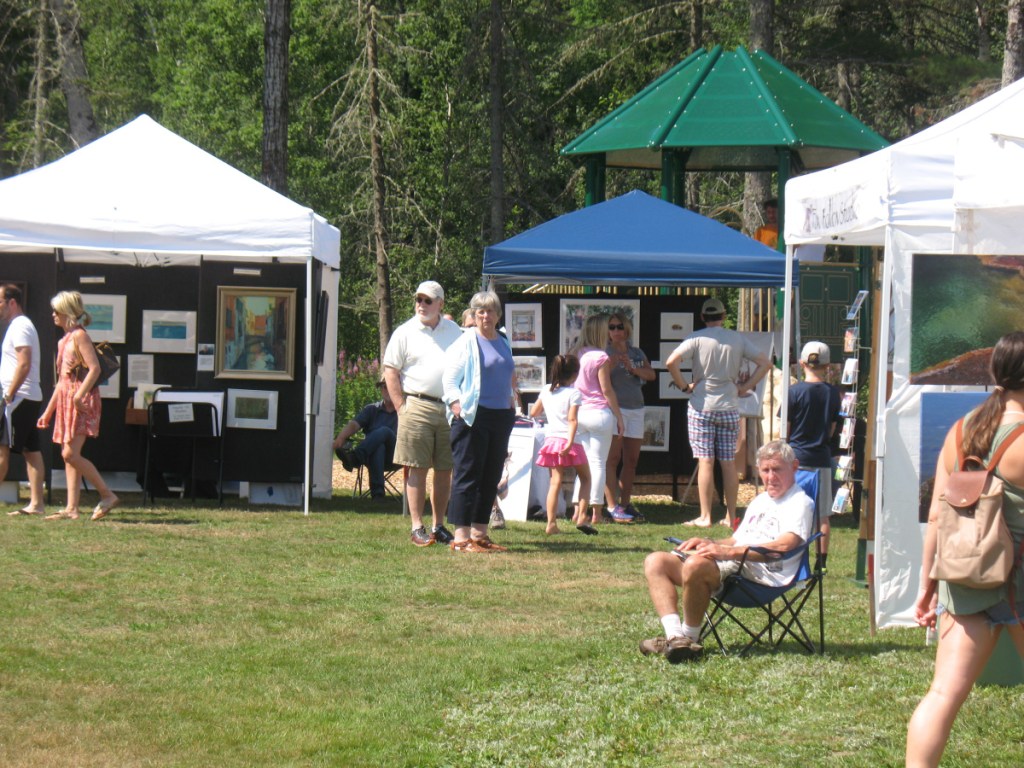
{"points": [[182, 636]]}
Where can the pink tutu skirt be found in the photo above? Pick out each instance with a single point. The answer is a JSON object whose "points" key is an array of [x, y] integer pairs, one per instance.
{"points": [[550, 454]]}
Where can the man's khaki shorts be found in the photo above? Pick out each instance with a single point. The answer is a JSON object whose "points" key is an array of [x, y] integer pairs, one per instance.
{"points": [[424, 437]]}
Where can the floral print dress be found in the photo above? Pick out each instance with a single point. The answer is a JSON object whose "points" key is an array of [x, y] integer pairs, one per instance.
{"points": [[68, 421]]}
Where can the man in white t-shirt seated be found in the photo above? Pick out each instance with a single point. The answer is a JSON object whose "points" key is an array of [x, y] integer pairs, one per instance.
{"points": [[778, 519]]}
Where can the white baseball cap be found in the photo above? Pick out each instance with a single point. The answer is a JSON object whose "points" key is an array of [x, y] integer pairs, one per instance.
{"points": [[815, 353], [431, 289]]}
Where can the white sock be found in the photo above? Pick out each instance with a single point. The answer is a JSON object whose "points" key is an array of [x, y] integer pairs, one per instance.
{"points": [[691, 632], [673, 625]]}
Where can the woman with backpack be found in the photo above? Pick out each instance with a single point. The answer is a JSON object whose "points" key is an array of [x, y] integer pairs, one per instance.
{"points": [[970, 620]]}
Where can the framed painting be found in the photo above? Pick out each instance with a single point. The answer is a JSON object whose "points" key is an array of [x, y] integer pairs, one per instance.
{"points": [[574, 312], [667, 389], [252, 409], [530, 373], [255, 333], [656, 424], [523, 323], [168, 331], [676, 325], [108, 316]]}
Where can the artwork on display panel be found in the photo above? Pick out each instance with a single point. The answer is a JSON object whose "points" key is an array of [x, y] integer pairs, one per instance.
{"points": [[676, 325], [751, 405], [252, 409], [168, 331], [574, 312], [112, 389], [255, 333], [656, 428], [939, 412], [523, 325], [107, 313], [667, 389], [530, 372], [959, 307]]}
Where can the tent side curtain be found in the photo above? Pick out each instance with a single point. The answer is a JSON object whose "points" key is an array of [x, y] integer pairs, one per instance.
{"points": [[635, 239]]}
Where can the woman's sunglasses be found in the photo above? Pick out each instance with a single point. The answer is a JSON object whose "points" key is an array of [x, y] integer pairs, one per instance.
{"points": [[616, 327]]}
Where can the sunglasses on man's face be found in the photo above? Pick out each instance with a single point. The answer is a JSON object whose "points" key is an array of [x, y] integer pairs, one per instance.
{"points": [[616, 327], [424, 300]]}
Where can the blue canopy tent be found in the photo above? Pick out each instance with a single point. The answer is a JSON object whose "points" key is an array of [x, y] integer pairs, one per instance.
{"points": [[635, 239]]}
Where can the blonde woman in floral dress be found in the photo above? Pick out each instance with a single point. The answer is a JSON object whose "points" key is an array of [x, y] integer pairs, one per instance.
{"points": [[75, 405]]}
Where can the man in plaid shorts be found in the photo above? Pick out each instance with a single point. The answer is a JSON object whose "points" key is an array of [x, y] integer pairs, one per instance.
{"points": [[716, 355]]}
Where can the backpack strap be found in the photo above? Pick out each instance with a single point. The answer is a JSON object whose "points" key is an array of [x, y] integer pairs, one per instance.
{"points": [[1017, 432]]}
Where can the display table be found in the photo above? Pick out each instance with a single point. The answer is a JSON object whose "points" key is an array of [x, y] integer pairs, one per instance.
{"points": [[527, 483]]}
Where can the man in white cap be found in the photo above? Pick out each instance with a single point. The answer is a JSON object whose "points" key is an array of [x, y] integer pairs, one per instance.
{"points": [[813, 414], [716, 355], [413, 364]]}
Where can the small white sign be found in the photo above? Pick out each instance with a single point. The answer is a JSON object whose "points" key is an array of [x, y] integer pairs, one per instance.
{"points": [[180, 413]]}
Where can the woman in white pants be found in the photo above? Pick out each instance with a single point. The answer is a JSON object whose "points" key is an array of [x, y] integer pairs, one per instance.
{"points": [[599, 416]]}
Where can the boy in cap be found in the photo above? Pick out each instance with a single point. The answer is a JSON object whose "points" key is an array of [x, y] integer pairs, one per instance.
{"points": [[813, 415], [716, 355]]}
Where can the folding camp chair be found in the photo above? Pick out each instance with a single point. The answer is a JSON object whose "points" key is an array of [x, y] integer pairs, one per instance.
{"points": [[777, 609], [390, 481]]}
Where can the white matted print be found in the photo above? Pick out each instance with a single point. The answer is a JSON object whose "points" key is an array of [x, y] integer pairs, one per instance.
{"points": [[667, 389], [112, 389], [751, 404], [574, 312], [107, 313], [530, 372], [656, 424], [252, 409], [676, 325], [666, 348], [523, 325], [168, 331]]}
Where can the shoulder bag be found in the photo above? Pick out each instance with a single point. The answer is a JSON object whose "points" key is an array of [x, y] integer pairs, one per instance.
{"points": [[108, 364]]}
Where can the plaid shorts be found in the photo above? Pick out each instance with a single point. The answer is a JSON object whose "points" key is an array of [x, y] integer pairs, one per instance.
{"points": [[713, 434]]}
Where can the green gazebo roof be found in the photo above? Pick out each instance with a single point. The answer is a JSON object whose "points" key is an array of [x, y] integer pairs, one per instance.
{"points": [[730, 110]]}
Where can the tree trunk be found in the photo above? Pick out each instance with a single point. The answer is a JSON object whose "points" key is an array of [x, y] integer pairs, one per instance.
{"points": [[692, 184], [496, 86], [983, 16], [276, 35], [39, 80], [1012, 64], [74, 79], [757, 187], [383, 292]]}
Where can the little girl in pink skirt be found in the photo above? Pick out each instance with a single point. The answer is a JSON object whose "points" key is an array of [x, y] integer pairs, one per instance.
{"points": [[559, 401]]}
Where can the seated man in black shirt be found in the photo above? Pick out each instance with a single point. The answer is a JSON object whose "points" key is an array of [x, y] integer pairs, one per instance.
{"points": [[379, 423]]}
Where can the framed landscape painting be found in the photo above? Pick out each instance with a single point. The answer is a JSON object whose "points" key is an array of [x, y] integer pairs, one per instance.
{"points": [[523, 323], [108, 316], [168, 331], [574, 312], [252, 409], [255, 333]]}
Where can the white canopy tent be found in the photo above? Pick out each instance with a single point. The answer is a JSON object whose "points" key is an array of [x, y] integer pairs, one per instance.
{"points": [[143, 196], [949, 189]]}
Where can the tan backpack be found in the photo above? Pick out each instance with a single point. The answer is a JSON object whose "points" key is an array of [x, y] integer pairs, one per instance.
{"points": [[974, 547]]}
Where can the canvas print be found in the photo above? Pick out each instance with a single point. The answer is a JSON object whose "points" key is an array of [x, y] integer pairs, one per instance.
{"points": [[255, 333], [574, 312], [252, 409], [939, 412], [530, 372], [960, 306], [523, 325], [168, 331]]}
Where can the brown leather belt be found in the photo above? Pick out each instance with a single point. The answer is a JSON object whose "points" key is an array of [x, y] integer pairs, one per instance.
{"points": [[431, 398]]}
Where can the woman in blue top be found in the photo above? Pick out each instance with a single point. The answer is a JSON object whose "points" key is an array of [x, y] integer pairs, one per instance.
{"points": [[480, 392], [971, 620]]}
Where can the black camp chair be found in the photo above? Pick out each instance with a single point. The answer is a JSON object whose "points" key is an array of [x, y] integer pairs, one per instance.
{"points": [[776, 611]]}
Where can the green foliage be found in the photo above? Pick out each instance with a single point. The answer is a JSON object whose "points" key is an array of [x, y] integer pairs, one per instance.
{"points": [[357, 386]]}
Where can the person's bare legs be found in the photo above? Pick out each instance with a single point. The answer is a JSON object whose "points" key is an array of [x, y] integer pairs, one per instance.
{"points": [[72, 454], [630, 457], [554, 489], [965, 646], [706, 490], [666, 574], [416, 494], [36, 471], [730, 489], [440, 493], [583, 503], [74, 483]]}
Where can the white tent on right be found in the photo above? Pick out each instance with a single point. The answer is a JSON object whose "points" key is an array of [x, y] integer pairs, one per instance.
{"points": [[953, 189]]}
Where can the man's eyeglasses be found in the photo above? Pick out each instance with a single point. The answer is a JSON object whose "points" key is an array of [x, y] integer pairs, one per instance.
{"points": [[424, 300], [616, 327]]}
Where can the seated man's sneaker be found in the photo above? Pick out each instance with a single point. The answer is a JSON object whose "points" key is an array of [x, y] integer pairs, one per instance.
{"points": [[676, 649]]}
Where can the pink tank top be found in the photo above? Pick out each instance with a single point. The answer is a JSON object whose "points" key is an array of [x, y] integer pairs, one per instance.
{"points": [[587, 382]]}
